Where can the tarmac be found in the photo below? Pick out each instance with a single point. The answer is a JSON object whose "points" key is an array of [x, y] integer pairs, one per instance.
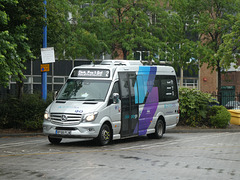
{"points": [[178, 129]]}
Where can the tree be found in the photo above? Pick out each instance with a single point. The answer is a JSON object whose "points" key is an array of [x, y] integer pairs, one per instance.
{"points": [[131, 25], [183, 46], [24, 24], [67, 34], [21, 34], [230, 48], [31, 14], [14, 49], [212, 21], [127, 26]]}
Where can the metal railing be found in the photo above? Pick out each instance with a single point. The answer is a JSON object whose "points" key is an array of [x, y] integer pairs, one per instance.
{"points": [[230, 100]]}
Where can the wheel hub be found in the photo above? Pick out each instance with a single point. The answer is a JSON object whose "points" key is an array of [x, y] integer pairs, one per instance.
{"points": [[106, 135]]}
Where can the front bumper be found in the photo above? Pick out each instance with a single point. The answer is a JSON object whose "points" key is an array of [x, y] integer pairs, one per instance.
{"points": [[83, 130]]}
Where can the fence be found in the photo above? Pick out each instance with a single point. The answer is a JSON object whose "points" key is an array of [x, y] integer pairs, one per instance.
{"points": [[56, 77], [231, 100]]}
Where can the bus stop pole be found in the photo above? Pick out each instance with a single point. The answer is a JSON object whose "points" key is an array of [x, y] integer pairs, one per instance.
{"points": [[44, 74]]}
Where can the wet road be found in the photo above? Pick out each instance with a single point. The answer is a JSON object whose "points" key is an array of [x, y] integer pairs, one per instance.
{"points": [[175, 156]]}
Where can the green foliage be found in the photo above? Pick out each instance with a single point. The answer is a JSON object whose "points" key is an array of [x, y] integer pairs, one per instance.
{"points": [[196, 110], [216, 24], [69, 29], [194, 106], [231, 44], [128, 26], [14, 49], [25, 113], [219, 117], [180, 31]]}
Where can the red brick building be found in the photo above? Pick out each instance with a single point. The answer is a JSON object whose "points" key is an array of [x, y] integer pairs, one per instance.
{"points": [[207, 79]]}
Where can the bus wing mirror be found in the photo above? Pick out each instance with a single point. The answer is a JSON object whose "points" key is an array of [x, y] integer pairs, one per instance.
{"points": [[115, 98], [55, 93]]}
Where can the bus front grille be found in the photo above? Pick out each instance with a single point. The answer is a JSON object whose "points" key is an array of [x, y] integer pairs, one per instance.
{"points": [[65, 119]]}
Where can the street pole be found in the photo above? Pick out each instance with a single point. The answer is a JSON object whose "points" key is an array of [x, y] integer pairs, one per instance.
{"points": [[44, 74]]}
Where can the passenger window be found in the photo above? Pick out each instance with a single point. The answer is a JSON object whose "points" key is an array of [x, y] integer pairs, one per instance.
{"points": [[167, 88]]}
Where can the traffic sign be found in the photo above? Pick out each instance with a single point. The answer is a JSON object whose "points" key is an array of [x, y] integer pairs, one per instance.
{"points": [[48, 55], [45, 67]]}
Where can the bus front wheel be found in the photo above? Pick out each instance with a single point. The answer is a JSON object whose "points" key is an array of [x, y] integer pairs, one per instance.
{"points": [[105, 135], [54, 140]]}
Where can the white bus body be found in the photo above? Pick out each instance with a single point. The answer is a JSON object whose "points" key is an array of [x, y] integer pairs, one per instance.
{"points": [[114, 100]]}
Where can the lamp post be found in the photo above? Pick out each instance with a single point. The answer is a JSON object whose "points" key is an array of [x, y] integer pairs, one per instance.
{"points": [[44, 74]]}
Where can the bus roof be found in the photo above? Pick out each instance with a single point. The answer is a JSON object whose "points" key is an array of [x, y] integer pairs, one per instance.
{"points": [[107, 68], [121, 62]]}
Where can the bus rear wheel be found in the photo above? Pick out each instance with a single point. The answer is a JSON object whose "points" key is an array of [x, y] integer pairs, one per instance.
{"points": [[159, 130]]}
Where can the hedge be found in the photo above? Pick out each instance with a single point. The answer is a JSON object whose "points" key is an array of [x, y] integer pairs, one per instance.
{"points": [[196, 110], [25, 113]]}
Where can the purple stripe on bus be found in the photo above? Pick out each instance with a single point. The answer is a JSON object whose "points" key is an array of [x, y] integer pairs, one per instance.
{"points": [[148, 111]]}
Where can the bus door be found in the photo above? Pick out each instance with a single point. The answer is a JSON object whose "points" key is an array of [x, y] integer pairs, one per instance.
{"points": [[129, 114]]}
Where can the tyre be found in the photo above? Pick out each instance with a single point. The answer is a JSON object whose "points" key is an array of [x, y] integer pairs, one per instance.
{"points": [[54, 140], [105, 135], [159, 130]]}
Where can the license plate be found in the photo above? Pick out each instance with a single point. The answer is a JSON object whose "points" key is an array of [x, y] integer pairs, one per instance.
{"points": [[63, 132]]}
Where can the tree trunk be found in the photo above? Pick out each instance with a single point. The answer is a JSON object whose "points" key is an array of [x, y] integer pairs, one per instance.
{"points": [[219, 81], [124, 54], [19, 87]]}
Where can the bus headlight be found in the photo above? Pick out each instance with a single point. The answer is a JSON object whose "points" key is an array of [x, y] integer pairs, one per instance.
{"points": [[46, 115], [90, 117]]}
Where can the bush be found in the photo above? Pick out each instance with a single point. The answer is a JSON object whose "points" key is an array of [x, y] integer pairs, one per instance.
{"points": [[194, 106], [219, 117], [25, 113]]}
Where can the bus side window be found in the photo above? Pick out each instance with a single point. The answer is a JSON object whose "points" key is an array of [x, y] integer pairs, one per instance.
{"points": [[167, 87], [115, 89]]}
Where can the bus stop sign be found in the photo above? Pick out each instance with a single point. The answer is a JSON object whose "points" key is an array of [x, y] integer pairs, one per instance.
{"points": [[44, 67]]}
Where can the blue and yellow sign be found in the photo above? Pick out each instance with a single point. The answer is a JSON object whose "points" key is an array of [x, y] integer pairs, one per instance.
{"points": [[44, 67]]}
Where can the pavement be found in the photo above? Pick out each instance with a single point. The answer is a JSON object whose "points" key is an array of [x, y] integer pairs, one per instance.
{"points": [[178, 129], [187, 129], [3, 134]]}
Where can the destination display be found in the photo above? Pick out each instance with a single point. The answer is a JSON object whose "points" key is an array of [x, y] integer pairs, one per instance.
{"points": [[91, 73]]}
